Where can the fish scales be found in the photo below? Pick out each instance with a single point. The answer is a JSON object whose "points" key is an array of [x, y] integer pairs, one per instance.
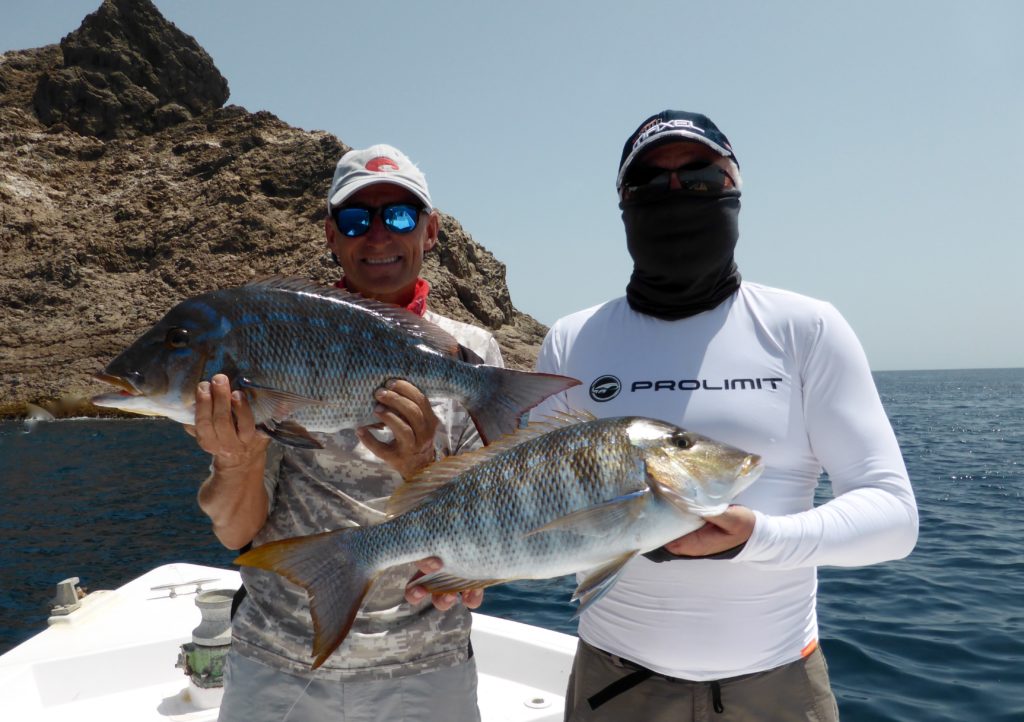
{"points": [[510, 498], [571, 494], [514, 496]]}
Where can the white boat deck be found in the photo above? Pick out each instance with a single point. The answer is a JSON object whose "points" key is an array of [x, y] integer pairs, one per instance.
{"points": [[113, 659]]}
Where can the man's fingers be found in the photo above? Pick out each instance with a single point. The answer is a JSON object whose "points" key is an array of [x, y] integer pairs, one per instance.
{"points": [[245, 423], [402, 415], [405, 435], [220, 393], [473, 598], [371, 442], [205, 434], [696, 543], [406, 390], [428, 566], [445, 601], [412, 405], [720, 533], [414, 593]]}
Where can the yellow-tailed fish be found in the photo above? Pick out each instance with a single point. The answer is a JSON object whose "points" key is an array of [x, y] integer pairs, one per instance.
{"points": [[568, 494]]}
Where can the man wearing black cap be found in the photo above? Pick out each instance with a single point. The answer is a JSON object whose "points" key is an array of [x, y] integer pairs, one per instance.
{"points": [[721, 624]]}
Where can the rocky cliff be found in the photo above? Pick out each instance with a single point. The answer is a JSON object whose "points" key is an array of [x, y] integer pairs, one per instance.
{"points": [[127, 185]]}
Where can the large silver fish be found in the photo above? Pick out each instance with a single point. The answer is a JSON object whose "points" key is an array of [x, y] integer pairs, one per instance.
{"points": [[309, 358], [565, 495]]}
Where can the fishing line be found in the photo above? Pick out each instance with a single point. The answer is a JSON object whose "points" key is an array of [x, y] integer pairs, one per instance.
{"points": [[301, 695]]}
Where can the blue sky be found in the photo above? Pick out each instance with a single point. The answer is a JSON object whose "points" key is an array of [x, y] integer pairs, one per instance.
{"points": [[880, 141]]}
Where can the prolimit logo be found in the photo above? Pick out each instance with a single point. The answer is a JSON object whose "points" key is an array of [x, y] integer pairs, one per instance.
{"points": [[605, 388], [706, 385]]}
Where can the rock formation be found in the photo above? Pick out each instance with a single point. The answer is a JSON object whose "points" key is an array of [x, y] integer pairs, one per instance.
{"points": [[126, 185]]}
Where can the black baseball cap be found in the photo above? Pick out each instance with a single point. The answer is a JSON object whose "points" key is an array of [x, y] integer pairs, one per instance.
{"points": [[668, 126]]}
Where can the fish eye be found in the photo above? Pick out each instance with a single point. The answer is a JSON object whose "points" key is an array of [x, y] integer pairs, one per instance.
{"points": [[177, 338], [681, 441]]}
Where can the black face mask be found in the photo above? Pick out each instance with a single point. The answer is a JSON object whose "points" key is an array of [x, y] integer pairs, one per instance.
{"points": [[682, 245]]}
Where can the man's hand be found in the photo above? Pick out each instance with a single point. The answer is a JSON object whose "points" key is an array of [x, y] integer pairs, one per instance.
{"points": [[405, 410], [722, 532], [232, 496], [225, 426], [472, 598]]}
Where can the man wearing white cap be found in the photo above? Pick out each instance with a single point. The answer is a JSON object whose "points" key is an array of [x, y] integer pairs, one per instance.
{"points": [[721, 624], [405, 658]]}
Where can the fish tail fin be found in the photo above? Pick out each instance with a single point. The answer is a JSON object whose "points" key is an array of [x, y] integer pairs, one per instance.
{"points": [[330, 571], [510, 394]]}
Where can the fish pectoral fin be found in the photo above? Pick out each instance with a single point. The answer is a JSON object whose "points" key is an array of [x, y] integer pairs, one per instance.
{"points": [[269, 403], [440, 583], [598, 581], [597, 520], [290, 433]]}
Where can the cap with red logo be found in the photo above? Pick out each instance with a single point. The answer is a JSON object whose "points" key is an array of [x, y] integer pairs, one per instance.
{"points": [[358, 169]]}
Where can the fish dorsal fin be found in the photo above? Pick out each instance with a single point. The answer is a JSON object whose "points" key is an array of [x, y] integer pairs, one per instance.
{"points": [[422, 486], [567, 418], [429, 333]]}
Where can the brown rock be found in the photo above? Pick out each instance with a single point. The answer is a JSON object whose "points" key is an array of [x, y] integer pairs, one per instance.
{"points": [[127, 71], [113, 211]]}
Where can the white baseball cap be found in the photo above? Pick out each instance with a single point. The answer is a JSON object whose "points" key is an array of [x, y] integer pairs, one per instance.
{"points": [[358, 169]]}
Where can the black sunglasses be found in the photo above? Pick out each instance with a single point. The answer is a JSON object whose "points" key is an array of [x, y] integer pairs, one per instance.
{"points": [[699, 176], [355, 221]]}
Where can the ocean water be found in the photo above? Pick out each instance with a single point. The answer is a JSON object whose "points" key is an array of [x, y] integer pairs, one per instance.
{"points": [[936, 637]]}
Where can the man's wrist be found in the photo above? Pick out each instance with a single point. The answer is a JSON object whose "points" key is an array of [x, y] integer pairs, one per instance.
{"points": [[226, 465]]}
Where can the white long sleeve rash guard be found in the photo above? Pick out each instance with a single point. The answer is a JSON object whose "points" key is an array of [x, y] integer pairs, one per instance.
{"points": [[776, 374]]}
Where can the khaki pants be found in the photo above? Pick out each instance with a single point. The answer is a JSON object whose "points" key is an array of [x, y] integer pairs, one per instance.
{"points": [[796, 692]]}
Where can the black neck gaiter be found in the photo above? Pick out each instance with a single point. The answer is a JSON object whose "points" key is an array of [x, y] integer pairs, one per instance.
{"points": [[682, 245]]}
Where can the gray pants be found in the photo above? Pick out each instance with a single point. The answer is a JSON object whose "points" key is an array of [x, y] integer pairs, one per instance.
{"points": [[254, 692], [795, 692]]}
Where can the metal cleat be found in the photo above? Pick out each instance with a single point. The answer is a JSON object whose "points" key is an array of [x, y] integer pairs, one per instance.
{"points": [[68, 598], [174, 587]]}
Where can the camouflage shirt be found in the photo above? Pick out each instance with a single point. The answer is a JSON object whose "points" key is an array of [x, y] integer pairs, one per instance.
{"points": [[390, 638]]}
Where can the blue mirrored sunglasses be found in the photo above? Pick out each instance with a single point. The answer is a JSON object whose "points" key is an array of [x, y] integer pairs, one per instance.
{"points": [[354, 221], [700, 176]]}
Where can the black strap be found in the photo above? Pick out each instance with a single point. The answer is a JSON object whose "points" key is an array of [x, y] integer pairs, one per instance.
{"points": [[236, 601], [241, 592], [641, 674], [619, 686], [661, 554]]}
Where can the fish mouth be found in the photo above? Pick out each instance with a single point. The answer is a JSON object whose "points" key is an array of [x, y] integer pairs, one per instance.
{"points": [[749, 471], [751, 466], [127, 389]]}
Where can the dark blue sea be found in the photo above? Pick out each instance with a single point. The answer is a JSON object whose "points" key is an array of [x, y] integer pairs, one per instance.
{"points": [[936, 637]]}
